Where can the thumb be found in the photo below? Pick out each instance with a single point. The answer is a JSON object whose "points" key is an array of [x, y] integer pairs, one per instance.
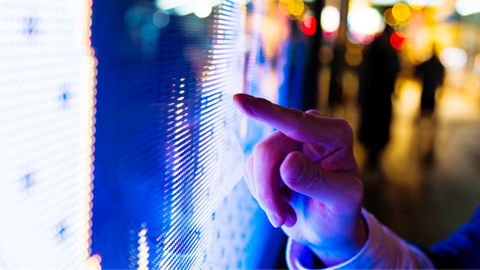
{"points": [[303, 175]]}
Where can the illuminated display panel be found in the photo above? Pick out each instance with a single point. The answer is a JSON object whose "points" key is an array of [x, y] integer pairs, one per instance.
{"points": [[169, 143], [204, 156], [46, 133]]}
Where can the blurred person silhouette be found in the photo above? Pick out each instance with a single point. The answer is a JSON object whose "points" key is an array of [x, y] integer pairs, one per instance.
{"points": [[432, 74], [306, 179], [378, 73]]}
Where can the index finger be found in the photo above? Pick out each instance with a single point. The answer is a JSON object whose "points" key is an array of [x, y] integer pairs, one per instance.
{"points": [[295, 124]]}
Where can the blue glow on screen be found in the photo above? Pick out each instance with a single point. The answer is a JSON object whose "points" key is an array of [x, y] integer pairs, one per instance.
{"points": [[164, 189], [47, 99], [170, 145]]}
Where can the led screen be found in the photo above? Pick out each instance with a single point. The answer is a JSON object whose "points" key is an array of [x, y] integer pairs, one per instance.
{"points": [[46, 133], [164, 189], [169, 144]]}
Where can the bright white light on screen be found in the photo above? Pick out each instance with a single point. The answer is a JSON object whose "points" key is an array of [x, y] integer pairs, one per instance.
{"points": [[330, 19], [47, 101], [467, 7], [143, 250], [203, 8]]}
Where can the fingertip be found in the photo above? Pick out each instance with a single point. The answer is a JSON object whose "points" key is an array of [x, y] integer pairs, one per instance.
{"points": [[243, 102], [281, 214], [237, 98], [275, 219], [288, 214]]}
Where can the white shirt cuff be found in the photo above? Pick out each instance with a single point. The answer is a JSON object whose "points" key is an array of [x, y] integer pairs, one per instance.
{"points": [[383, 249]]}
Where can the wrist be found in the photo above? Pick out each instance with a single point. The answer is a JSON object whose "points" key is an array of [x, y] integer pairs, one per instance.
{"points": [[340, 251]]}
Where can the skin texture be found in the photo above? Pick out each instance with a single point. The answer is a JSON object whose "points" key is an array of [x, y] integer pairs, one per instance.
{"points": [[305, 178]]}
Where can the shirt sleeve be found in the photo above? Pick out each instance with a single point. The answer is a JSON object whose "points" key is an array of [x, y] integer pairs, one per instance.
{"points": [[461, 250], [383, 249]]}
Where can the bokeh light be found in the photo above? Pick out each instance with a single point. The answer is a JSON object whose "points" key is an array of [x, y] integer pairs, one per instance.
{"points": [[364, 23], [388, 17], [455, 58], [325, 54], [398, 40], [283, 7], [296, 7], [330, 19], [467, 7], [160, 19], [401, 12], [353, 56], [202, 8], [309, 25], [417, 4]]}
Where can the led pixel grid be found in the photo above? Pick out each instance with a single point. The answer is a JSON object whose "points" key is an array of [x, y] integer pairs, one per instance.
{"points": [[47, 99], [170, 144]]}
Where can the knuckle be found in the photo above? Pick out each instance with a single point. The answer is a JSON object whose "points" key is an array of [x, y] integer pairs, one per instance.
{"points": [[303, 121], [314, 112]]}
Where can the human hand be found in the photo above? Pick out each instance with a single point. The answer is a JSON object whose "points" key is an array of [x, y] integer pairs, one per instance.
{"points": [[304, 176]]}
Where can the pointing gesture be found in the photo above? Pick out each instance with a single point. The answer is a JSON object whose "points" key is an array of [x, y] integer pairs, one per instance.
{"points": [[304, 176]]}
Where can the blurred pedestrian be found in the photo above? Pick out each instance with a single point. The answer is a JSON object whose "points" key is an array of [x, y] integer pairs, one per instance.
{"points": [[432, 74], [378, 73]]}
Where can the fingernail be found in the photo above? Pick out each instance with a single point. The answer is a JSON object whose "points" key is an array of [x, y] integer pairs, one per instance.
{"points": [[274, 219], [246, 105]]}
